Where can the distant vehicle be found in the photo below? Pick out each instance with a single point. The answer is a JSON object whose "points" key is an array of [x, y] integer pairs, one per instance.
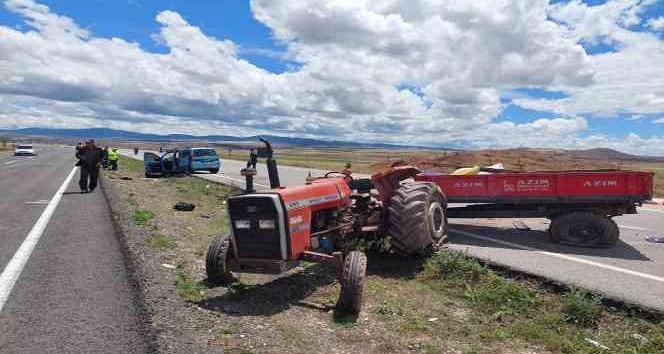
{"points": [[24, 150], [178, 161]]}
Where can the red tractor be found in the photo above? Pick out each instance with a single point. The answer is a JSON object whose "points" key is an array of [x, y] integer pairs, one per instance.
{"points": [[321, 221]]}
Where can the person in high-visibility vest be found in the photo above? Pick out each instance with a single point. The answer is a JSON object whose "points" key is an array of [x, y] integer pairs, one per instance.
{"points": [[113, 156]]}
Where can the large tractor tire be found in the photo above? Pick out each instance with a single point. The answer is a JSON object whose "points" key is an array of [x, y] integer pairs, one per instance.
{"points": [[416, 218], [352, 283], [219, 252], [584, 229]]}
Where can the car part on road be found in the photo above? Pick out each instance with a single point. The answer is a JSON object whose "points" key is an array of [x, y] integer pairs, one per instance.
{"points": [[520, 225], [184, 206], [655, 239]]}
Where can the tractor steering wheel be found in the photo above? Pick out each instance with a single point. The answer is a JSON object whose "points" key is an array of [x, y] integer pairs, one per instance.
{"points": [[339, 173]]}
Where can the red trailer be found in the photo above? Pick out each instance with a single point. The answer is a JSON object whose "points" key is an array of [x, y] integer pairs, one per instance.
{"points": [[580, 204]]}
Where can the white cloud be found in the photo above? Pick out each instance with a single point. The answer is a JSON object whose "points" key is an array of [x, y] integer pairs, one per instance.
{"points": [[402, 71], [659, 120], [656, 24], [628, 79]]}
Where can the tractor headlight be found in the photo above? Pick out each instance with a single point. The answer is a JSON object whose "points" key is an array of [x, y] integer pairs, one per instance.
{"points": [[266, 224], [242, 224]]}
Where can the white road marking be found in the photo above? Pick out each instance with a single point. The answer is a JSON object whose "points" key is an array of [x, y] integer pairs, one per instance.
{"points": [[43, 201], [8, 162], [563, 256], [633, 228], [15, 266], [655, 210]]}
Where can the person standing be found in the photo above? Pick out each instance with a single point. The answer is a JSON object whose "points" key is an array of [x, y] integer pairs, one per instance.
{"points": [[113, 156], [104, 158], [78, 147], [89, 157], [253, 159]]}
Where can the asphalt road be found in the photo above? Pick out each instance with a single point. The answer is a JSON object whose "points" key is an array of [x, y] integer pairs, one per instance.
{"points": [[633, 271], [73, 294]]}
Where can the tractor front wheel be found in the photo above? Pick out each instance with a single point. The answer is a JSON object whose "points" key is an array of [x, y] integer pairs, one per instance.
{"points": [[352, 283], [218, 254], [416, 218]]}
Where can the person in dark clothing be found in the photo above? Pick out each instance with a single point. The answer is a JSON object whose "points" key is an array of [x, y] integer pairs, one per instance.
{"points": [[104, 157], [253, 159], [78, 147], [90, 157]]}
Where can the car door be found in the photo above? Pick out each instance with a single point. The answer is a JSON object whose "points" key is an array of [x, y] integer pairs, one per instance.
{"points": [[185, 161], [151, 164], [169, 162]]}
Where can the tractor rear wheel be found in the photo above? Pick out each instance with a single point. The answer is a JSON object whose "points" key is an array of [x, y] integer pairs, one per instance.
{"points": [[352, 283], [215, 264], [416, 218], [584, 229]]}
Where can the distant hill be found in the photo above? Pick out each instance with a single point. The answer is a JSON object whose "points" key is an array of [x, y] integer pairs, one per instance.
{"points": [[611, 155], [106, 133]]}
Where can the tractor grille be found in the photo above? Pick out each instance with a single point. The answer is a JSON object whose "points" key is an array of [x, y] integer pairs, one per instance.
{"points": [[257, 226]]}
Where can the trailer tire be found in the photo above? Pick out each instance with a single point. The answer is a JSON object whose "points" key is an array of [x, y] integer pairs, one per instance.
{"points": [[584, 229], [417, 218], [216, 261], [352, 283]]}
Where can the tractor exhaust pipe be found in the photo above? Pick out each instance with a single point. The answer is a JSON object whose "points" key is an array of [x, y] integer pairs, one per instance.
{"points": [[272, 171]]}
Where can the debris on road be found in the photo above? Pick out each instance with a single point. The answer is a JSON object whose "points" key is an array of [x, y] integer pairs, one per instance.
{"points": [[126, 178], [520, 225], [169, 266], [655, 239], [184, 206]]}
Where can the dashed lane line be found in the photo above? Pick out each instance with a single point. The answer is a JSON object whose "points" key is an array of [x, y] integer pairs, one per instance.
{"points": [[15, 266]]}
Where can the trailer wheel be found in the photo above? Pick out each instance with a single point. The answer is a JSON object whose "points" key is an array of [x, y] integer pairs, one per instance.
{"points": [[417, 218], [584, 229], [215, 265], [352, 283]]}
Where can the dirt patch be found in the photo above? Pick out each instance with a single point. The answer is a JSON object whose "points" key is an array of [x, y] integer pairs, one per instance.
{"points": [[447, 304]]}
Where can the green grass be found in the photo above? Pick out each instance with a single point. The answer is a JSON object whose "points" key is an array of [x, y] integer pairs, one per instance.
{"points": [[160, 241], [129, 163], [142, 216], [188, 289], [581, 307], [475, 304]]}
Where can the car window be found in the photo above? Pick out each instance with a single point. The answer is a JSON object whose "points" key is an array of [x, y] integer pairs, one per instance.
{"points": [[205, 152], [24, 147]]}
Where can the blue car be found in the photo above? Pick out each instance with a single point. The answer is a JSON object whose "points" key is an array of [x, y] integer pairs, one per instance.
{"points": [[178, 161]]}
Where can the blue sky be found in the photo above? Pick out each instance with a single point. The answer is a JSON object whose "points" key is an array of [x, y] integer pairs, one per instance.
{"points": [[133, 20], [321, 70]]}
